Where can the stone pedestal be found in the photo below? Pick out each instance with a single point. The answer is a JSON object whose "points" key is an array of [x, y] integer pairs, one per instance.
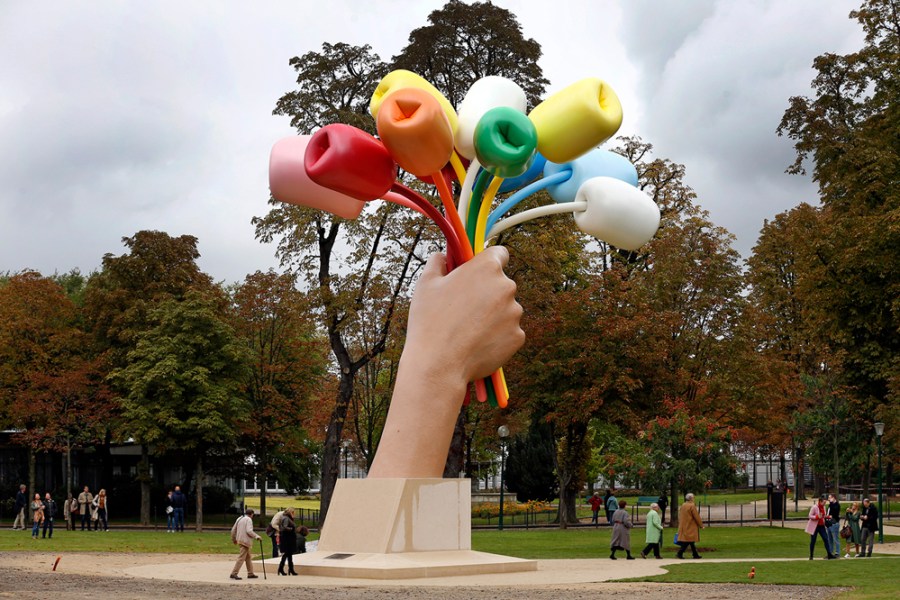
{"points": [[402, 528]]}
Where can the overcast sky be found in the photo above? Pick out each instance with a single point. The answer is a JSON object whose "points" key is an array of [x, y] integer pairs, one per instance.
{"points": [[122, 116]]}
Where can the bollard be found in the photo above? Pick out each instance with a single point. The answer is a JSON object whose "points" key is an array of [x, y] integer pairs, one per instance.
{"points": [[742, 515], [726, 510]]}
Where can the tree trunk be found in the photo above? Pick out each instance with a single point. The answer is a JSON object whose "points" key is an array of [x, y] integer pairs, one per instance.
{"points": [[569, 464], [867, 479], [144, 477], [32, 480], [261, 472], [199, 504], [673, 506], [456, 454], [799, 475], [837, 464], [331, 454], [68, 465]]}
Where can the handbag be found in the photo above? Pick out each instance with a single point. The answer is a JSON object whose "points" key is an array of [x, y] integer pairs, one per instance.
{"points": [[846, 532]]}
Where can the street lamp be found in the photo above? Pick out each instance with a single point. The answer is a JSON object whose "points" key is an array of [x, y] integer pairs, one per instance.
{"points": [[503, 432], [879, 431], [346, 445]]}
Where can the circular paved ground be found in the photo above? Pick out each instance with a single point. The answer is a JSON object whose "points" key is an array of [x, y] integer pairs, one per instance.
{"points": [[28, 576]]}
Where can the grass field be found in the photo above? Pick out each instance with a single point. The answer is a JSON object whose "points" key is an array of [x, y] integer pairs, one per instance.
{"points": [[871, 578]]}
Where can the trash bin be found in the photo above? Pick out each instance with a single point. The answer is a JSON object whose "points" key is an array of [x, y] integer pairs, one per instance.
{"points": [[776, 506]]}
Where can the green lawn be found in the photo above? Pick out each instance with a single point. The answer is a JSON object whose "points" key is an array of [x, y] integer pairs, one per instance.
{"points": [[189, 542], [715, 542], [871, 578]]}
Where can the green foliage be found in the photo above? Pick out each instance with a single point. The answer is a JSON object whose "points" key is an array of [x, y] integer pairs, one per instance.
{"points": [[529, 465], [691, 452], [851, 130], [182, 380], [464, 42]]}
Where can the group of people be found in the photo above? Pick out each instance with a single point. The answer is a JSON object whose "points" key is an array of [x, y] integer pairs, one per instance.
{"points": [[610, 504], [175, 504], [860, 527], [286, 537], [92, 509], [689, 526]]}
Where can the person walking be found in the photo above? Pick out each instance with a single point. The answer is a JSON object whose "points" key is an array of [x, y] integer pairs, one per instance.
{"points": [[816, 526], [852, 518], [287, 541], [85, 501], [170, 513], [621, 537], [612, 505], [833, 524], [178, 503], [101, 506], [596, 502], [37, 509], [21, 505], [49, 513], [663, 502], [654, 531], [689, 526], [869, 521], [242, 534], [273, 530]]}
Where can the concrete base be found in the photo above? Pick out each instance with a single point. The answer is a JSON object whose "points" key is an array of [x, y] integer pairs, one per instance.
{"points": [[409, 565], [402, 528]]}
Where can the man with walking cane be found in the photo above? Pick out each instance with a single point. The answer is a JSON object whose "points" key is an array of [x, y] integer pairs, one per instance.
{"points": [[243, 535]]}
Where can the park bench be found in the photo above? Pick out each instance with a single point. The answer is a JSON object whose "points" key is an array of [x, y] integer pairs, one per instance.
{"points": [[646, 500]]}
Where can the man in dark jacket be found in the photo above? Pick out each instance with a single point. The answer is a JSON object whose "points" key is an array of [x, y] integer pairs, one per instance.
{"points": [[663, 502], [833, 523], [869, 522], [21, 503], [49, 513], [178, 503]]}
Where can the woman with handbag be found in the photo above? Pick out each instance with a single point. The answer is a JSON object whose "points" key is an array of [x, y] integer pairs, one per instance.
{"points": [[287, 541], [853, 515]]}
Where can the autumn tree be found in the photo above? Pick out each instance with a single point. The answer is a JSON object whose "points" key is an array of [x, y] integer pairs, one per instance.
{"points": [[848, 132], [287, 363], [51, 384]]}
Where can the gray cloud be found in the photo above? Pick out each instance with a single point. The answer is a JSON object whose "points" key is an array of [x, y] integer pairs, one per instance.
{"points": [[121, 116]]}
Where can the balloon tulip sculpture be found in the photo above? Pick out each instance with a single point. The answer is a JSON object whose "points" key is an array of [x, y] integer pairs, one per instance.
{"points": [[554, 147]]}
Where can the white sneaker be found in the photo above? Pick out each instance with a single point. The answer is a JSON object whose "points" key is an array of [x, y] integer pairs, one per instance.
{"points": [[847, 555]]}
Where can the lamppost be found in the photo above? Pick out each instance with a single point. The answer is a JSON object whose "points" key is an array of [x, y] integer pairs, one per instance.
{"points": [[346, 445], [503, 432], [879, 431]]}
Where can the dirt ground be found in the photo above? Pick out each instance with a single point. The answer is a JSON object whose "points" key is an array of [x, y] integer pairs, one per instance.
{"points": [[28, 576]]}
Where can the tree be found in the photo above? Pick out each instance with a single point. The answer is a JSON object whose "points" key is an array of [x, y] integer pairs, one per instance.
{"points": [[287, 363], [783, 344], [182, 381], [850, 131], [685, 452], [529, 465], [118, 301], [49, 388], [464, 42]]}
